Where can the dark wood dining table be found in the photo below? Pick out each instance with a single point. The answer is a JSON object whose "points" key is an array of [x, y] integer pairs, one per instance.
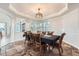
{"points": [[51, 40]]}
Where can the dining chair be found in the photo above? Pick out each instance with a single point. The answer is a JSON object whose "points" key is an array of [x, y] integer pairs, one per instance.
{"points": [[0, 41], [32, 39], [38, 31], [0, 35], [37, 40], [43, 33], [38, 46], [27, 36], [58, 44], [50, 33]]}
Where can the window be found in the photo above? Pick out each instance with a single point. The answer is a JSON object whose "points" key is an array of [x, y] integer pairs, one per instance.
{"points": [[23, 27], [20, 25], [2, 27], [39, 26]]}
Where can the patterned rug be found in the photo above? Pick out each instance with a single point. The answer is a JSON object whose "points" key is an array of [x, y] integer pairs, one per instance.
{"points": [[19, 49]]}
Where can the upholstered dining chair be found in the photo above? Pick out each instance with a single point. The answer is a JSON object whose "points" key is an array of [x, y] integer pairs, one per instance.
{"points": [[0, 41], [50, 33], [38, 46], [25, 35], [37, 41], [43, 33], [28, 37], [58, 44], [0, 35]]}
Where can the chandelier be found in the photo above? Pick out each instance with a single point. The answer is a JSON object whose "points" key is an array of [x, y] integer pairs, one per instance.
{"points": [[39, 14]]}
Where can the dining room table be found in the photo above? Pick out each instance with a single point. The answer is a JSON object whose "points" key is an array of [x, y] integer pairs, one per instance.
{"points": [[50, 40]]}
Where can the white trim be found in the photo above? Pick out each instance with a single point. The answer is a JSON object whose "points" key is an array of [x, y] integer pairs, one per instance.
{"points": [[14, 10], [59, 13], [71, 44], [6, 12], [33, 18]]}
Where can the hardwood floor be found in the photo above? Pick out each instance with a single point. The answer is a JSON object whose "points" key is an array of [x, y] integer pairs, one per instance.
{"points": [[18, 49]]}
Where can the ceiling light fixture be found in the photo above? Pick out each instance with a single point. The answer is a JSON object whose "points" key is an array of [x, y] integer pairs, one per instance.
{"points": [[39, 14]]}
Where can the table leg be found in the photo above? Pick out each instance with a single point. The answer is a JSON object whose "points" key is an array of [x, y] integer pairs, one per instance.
{"points": [[48, 48]]}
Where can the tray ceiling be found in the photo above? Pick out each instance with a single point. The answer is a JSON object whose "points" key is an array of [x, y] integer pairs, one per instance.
{"points": [[30, 9]]}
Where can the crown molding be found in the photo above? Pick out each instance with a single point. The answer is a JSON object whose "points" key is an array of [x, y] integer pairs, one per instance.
{"points": [[46, 17]]}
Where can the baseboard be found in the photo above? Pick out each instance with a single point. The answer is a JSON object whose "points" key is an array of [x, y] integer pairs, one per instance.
{"points": [[71, 44]]}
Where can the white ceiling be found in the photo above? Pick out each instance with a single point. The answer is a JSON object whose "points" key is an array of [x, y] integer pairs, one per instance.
{"points": [[30, 9]]}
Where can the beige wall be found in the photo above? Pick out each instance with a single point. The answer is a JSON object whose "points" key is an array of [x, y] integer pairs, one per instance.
{"points": [[56, 25], [71, 27]]}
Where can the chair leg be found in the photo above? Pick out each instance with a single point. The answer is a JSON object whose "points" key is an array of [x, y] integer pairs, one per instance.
{"points": [[52, 49], [0, 51], [59, 51], [40, 50]]}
